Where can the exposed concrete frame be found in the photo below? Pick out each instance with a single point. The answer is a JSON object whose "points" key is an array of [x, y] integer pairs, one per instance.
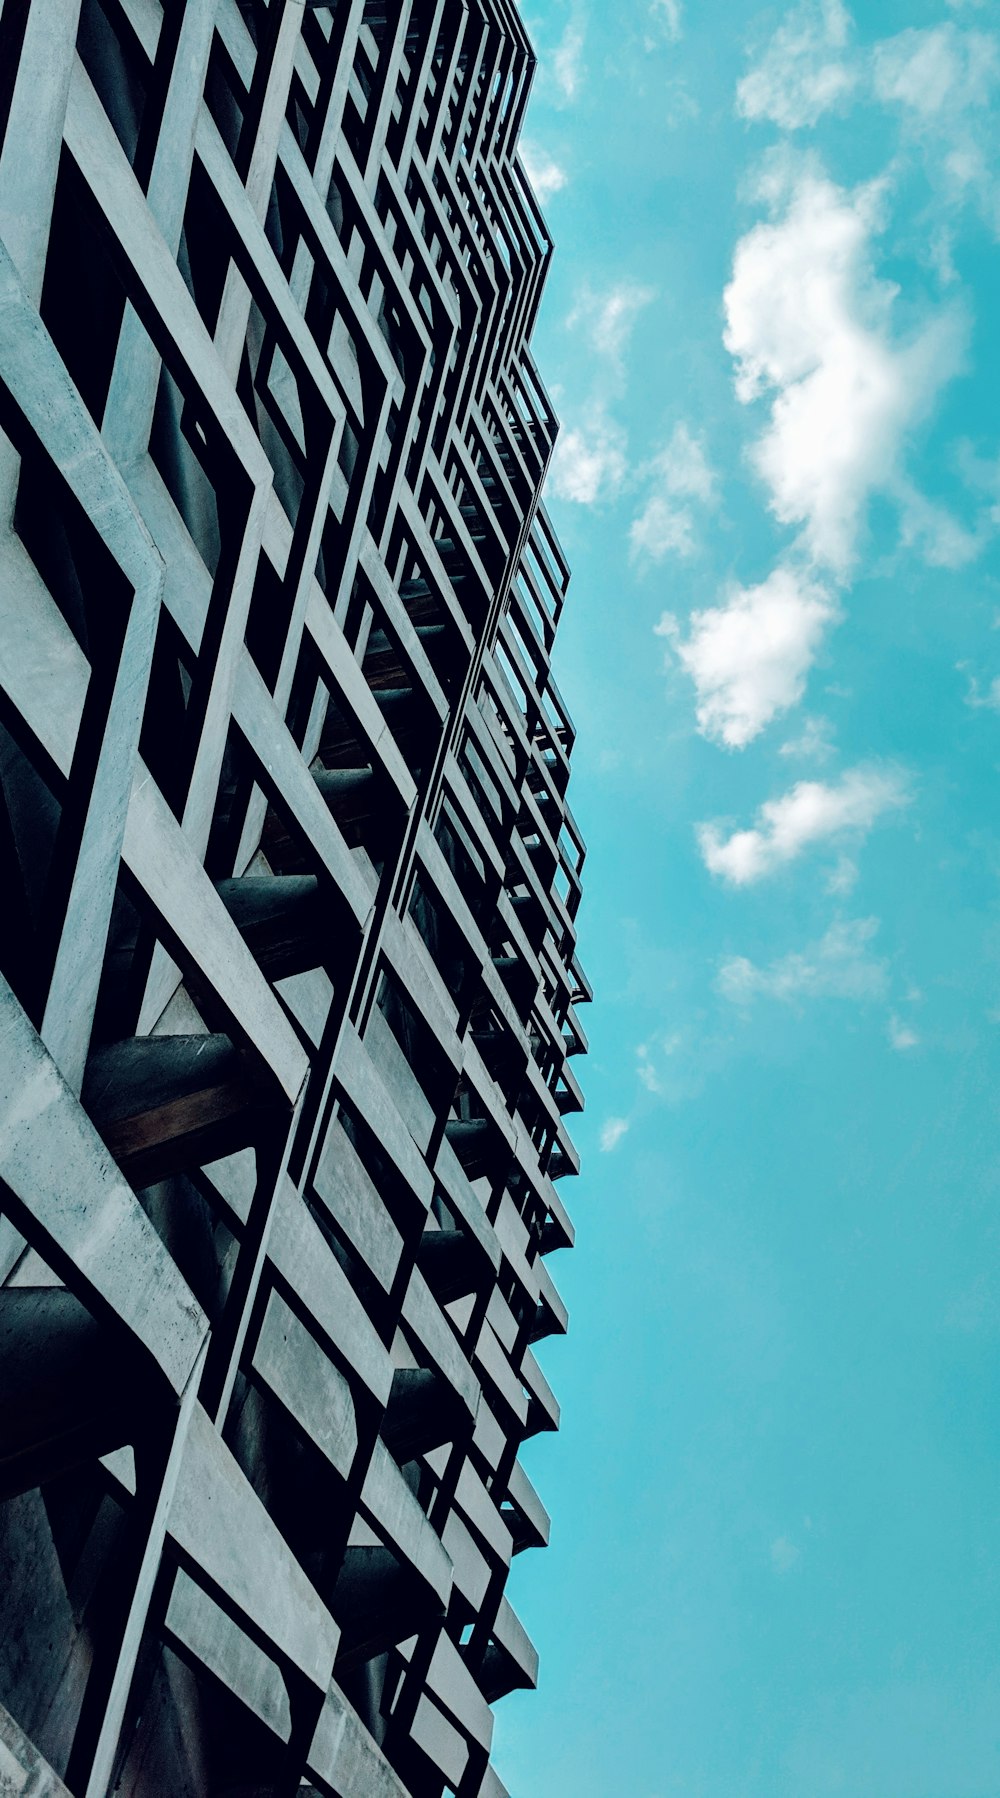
{"points": [[288, 976]]}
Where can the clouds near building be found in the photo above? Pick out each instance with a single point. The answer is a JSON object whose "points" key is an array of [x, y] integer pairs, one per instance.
{"points": [[567, 60], [679, 480], [812, 813], [589, 463], [608, 315], [749, 657], [612, 1131], [546, 175]]}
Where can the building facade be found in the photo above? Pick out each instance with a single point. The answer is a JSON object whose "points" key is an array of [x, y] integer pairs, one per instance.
{"points": [[289, 979]]}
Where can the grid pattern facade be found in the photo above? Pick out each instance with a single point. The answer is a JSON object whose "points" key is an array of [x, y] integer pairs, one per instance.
{"points": [[289, 979]]}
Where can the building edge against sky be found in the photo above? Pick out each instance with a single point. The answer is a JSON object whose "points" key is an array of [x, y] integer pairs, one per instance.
{"points": [[289, 969]]}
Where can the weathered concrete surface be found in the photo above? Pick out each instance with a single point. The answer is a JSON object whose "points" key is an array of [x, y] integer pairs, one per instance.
{"points": [[23, 1772]]}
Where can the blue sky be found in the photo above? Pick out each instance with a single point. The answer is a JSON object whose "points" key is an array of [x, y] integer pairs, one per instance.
{"points": [[771, 334]]}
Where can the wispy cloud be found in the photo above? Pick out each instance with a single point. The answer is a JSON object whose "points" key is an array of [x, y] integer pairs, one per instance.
{"points": [[590, 462], [612, 1131], [843, 876], [661, 529], [813, 743], [567, 60], [802, 72], [749, 658], [684, 466], [667, 16], [678, 479], [941, 539], [607, 317], [902, 1036], [809, 324], [942, 80], [976, 698], [812, 813], [546, 175], [809, 66], [981, 475], [839, 966], [647, 1055], [784, 1555], [646, 1071], [938, 71]]}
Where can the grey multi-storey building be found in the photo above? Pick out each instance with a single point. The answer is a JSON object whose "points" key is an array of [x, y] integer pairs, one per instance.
{"points": [[289, 884]]}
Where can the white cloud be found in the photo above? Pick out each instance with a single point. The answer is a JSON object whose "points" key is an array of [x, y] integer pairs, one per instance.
{"points": [[679, 473], [662, 529], [784, 1555], [749, 658], [839, 966], [608, 318], [567, 60], [901, 1036], [811, 813], [937, 71], [943, 80], [810, 324], [814, 742], [589, 462], [546, 175], [803, 71], [667, 14], [612, 1131]]}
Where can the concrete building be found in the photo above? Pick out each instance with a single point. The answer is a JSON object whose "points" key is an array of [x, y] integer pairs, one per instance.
{"points": [[289, 884]]}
